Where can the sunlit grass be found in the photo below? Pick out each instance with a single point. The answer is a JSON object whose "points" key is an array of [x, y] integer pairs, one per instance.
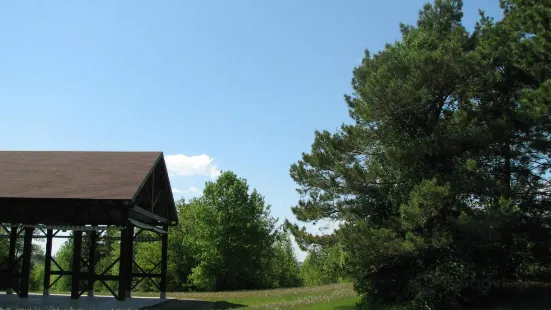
{"points": [[326, 297], [335, 296]]}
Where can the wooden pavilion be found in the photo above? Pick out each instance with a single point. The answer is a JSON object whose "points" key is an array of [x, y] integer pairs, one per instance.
{"points": [[43, 193]]}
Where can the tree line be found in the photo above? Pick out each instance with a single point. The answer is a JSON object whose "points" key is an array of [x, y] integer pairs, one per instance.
{"points": [[225, 240]]}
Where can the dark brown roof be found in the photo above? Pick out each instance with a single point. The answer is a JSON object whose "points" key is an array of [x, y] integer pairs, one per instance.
{"points": [[82, 175]]}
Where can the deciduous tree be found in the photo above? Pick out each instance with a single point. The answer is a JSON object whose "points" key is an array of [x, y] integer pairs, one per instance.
{"points": [[232, 232]]}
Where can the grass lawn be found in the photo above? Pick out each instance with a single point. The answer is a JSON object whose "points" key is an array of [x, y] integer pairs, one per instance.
{"points": [[329, 297], [336, 296]]}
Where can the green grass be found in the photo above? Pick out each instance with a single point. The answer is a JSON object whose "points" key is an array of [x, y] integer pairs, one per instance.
{"points": [[335, 296], [331, 297], [340, 304]]}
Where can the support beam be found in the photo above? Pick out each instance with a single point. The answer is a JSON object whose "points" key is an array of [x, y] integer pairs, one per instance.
{"points": [[123, 265], [139, 210], [148, 227], [164, 262], [130, 252], [92, 261], [75, 228], [26, 268], [87, 275], [11, 259], [77, 255], [48, 262]]}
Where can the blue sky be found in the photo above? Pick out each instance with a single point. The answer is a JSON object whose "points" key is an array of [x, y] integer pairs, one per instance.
{"points": [[216, 85]]}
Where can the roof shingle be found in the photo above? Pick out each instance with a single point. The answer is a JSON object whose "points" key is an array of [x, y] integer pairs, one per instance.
{"points": [[80, 175]]}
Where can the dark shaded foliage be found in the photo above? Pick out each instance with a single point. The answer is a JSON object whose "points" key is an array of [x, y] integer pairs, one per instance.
{"points": [[443, 179]]}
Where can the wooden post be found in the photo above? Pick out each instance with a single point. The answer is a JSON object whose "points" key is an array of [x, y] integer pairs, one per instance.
{"points": [[123, 267], [164, 262], [48, 262], [11, 259], [26, 268], [130, 252], [75, 274], [92, 262]]}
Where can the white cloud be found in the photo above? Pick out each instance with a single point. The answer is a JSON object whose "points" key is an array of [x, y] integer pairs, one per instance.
{"points": [[194, 190], [191, 192], [183, 165]]}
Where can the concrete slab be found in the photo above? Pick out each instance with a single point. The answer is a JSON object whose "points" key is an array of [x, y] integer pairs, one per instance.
{"points": [[64, 302]]}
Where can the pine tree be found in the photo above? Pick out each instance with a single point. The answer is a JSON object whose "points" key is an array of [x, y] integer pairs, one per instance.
{"points": [[442, 179]]}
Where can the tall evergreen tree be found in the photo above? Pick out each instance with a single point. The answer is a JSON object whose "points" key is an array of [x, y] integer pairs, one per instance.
{"points": [[442, 179]]}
